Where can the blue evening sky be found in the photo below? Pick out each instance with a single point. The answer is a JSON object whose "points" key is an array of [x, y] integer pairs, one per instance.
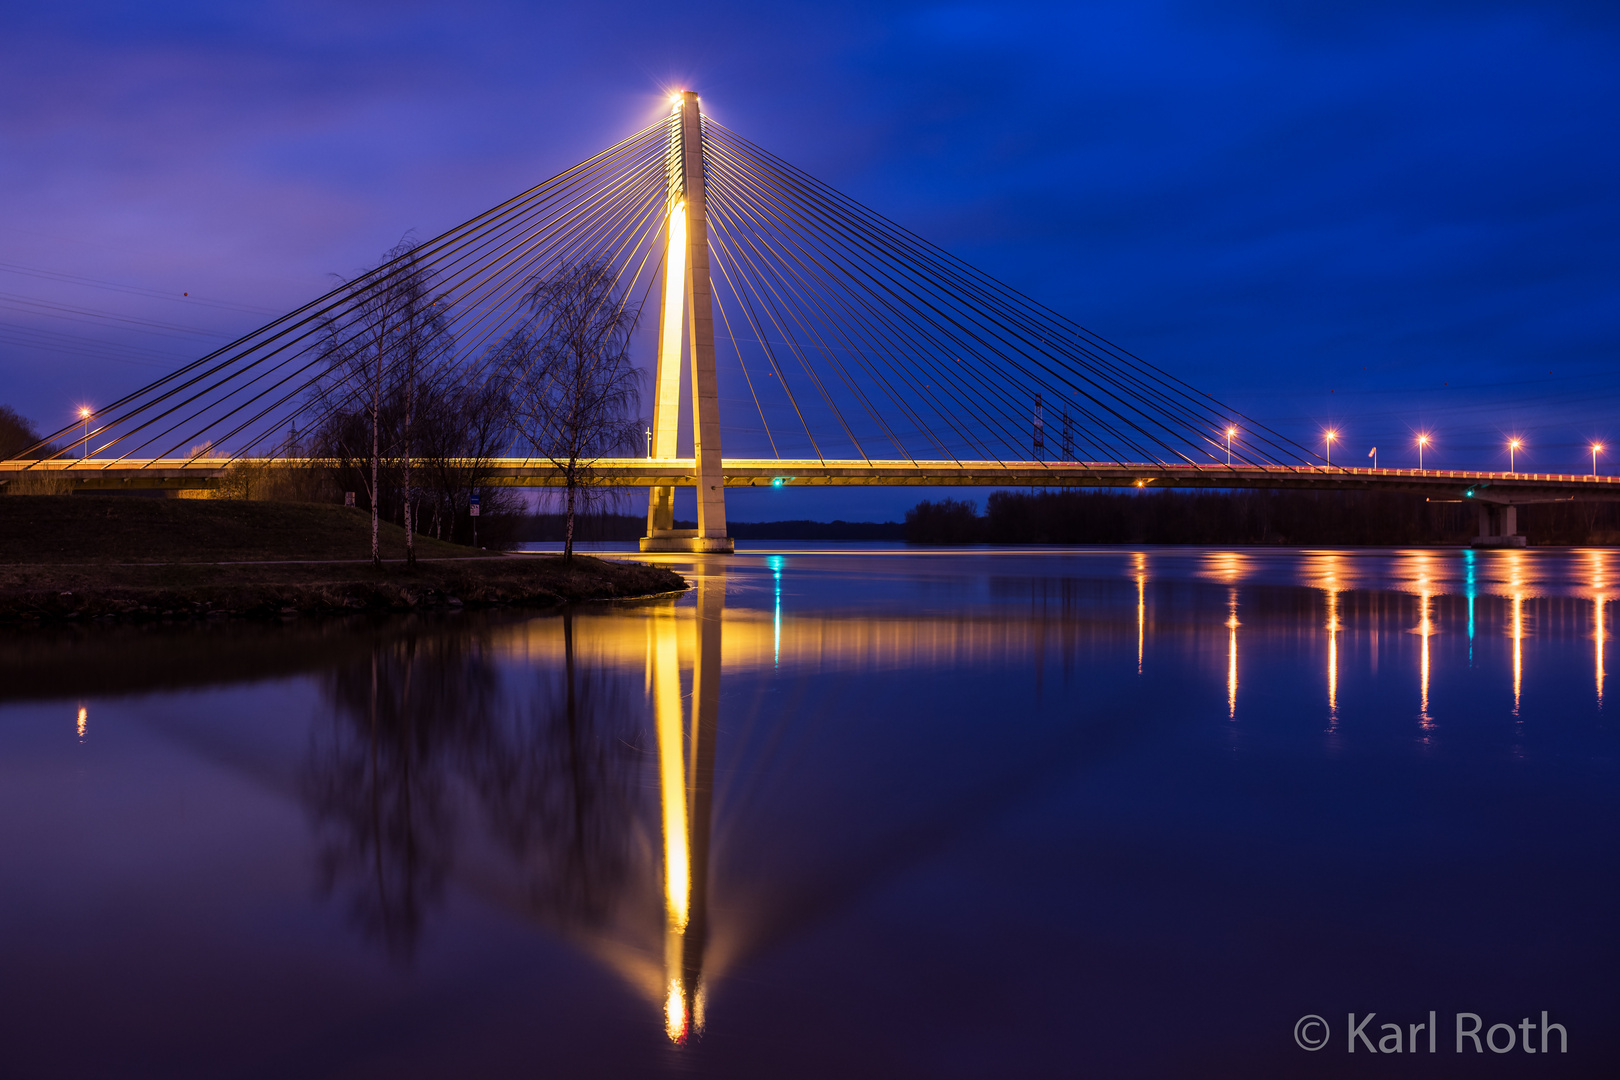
{"points": [[1382, 216]]}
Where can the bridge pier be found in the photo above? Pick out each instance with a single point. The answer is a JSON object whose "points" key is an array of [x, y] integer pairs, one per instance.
{"points": [[686, 285], [1498, 525]]}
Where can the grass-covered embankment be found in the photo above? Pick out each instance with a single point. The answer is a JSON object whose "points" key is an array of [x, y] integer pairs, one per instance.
{"points": [[83, 556]]}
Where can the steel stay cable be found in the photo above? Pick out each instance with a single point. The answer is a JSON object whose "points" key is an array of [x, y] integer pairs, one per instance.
{"points": [[467, 371], [313, 309], [983, 388], [816, 337], [953, 318], [1067, 325], [715, 293], [804, 359], [759, 334], [888, 348], [868, 219], [366, 284], [940, 410], [232, 412], [839, 329]]}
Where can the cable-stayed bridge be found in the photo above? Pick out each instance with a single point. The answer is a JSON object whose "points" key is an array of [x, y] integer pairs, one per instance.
{"points": [[864, 355]]}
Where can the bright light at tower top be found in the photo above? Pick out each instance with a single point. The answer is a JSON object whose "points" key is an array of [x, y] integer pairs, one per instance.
{"points": [[1423, 440], [1515, 443], [84, 410]]}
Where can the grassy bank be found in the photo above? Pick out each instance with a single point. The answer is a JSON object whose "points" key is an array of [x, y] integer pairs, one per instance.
{"points": [[81, 556]]}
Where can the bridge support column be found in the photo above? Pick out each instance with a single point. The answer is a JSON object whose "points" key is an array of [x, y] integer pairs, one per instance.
{"points": [[1498, 526], [686, 285]]}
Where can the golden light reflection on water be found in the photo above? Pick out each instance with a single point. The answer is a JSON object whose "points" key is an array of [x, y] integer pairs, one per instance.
{"points": [[670, 723], [1232, 625], [1515, 580], [1425, 630], [1600, 583], [1518, 650], [686, 748], [84, 721], [1141, 608], [1333, 654], [1325, 570]]}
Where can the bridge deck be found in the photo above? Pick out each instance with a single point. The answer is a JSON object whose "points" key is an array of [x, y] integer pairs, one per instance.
{"points": [[96, 474]]}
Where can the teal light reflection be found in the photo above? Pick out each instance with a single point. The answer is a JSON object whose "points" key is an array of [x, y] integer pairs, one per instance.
{"points": [[1470, 588], [775, 562]]}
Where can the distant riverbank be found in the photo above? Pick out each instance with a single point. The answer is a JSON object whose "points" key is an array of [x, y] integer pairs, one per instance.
{"points": [[84, 557]]}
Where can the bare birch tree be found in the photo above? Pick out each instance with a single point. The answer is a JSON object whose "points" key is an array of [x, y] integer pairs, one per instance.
{"points": [[394, 331], [575, 391]]}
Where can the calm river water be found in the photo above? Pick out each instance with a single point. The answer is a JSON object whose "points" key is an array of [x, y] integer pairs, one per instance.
{"points": [[861, 812]]}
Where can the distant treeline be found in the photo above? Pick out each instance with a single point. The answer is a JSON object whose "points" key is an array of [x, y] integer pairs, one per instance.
{"points": [[548, 528], [1239, 517]]}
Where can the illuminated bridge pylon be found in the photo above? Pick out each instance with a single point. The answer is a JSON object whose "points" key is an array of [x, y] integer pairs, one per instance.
{"points": [[687, 289]]}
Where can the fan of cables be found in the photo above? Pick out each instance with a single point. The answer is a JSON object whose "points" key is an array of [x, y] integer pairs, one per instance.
{"points": [[865, 339], [855, 338]]}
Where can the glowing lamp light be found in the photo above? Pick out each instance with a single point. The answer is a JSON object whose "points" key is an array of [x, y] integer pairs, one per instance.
{"points": [[1597, 448], [1513, 447], [1422, 444]]}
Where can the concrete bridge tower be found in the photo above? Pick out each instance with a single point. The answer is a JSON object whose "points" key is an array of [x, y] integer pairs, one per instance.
{"points": [[687, 299]]}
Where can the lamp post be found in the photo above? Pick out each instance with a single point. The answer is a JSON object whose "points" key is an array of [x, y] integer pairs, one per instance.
{"points": [[1328, 436], [1597, 448], [1231, 431], [1513, 445], [1422, 441], [84, 414]]}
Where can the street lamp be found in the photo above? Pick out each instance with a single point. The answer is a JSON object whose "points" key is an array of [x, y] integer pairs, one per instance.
{"points": [[1513, 445], [1231, 431], [1422, 441], [84, 414], [1329, 435], [1597, 448]]}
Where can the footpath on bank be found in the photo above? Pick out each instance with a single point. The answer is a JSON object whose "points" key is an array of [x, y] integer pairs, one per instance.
{"points": [[72, 557]]}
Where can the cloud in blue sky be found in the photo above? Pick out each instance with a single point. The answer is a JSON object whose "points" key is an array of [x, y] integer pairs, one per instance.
{"points": [[1376, 214]]}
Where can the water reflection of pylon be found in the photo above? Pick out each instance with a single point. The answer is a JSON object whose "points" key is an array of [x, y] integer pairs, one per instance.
{"points": [[1425, 630], [1232, 625], [686, 787], [1141, 608]]}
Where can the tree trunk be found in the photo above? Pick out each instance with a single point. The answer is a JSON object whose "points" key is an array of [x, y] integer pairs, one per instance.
{"points": [[568, 525], [567, 522]]}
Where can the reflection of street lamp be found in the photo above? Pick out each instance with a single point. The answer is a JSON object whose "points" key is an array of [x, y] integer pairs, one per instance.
{"points": [[1513, 444], [1597, 448], [1231, 431], [1329, 435], [84, 414], [1422, 441]]}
